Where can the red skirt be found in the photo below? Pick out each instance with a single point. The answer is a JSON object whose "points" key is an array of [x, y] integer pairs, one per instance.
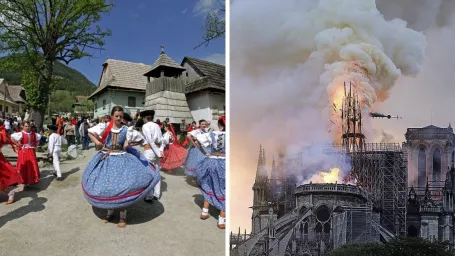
{"points": [[8, 174], [174, 157], [28, 166]]}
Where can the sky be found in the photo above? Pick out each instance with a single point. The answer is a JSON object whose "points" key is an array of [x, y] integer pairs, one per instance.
{"points": [[277, 90], [140, 27]]}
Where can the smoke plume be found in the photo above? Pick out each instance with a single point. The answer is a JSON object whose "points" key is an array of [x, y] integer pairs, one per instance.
{"points": [[289, 60]]}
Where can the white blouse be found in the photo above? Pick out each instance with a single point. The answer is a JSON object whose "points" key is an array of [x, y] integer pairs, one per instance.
{"points": [[167, 139], [17, 136], [196, 132], [206, 140], [131, 135]]}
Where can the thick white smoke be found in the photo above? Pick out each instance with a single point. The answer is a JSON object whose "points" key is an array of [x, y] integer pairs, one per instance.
{"points": [[288, 61]]}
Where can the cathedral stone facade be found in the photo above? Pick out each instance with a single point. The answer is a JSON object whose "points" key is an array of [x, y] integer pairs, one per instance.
{"points": [[312, 218], [430, 211]]}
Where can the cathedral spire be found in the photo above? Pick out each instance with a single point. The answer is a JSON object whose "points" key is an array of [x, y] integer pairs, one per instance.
{"points": [[273, 172], [260, 162], [263, 157]]}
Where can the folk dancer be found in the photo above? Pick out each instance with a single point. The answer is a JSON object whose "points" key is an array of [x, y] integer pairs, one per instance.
{"points": [[9, 176], [54, 149], [117, 176], [189, 129], [152, 142], [60, 124], [211, 172], [194, 156], [27, 164], [173, 153]]}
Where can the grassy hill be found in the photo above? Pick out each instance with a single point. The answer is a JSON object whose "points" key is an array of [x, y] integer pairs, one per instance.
{"points": [[72, 80]]}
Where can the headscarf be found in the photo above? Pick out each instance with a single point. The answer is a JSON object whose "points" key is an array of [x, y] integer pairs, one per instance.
{"points": [[223, 118]]}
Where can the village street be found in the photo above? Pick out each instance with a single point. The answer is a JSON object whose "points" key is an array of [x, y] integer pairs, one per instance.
{"points": [[54, 219]]}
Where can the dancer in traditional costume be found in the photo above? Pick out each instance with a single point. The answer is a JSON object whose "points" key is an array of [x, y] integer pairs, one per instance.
{"points": [[173, 153], [27, 164], [152, 143], [194, 156], [211, 172], [9, 175], [54, 149], [118, 175], [190, 128]]}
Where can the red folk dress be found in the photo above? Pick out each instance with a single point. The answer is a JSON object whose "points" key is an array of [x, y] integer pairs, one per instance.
{"points": [[8, 173], [27, 163], [190, 128], [174, 154]]}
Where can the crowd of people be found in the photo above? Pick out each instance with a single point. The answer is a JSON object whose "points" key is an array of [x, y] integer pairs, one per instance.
{"points": [[119, 174]]}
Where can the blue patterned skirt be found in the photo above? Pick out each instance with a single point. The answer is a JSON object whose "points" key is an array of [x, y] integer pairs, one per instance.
{"points": [[211, 177], [118, 181], [193, 159]]}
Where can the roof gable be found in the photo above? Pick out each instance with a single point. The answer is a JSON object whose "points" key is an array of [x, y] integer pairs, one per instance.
{"points": [[432, 127], [122, 74], [6, 97], [15, 93], [164, 61], [212, 75], [206, 68]]}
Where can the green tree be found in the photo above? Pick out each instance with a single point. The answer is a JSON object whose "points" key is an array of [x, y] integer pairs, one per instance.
{"points": [[61, 102], [215, 26], [41, 32], [402, 246], [86, 106]]}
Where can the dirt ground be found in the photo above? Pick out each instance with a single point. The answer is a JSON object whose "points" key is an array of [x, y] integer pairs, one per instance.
{"points": [[53, 218]]}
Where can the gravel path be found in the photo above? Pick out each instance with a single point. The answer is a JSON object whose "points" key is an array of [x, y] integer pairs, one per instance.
{"points": [[53, 218]]}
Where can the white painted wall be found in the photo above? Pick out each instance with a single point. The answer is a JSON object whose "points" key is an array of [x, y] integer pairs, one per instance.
{"points": [[198, 102], [206, 105], [103, 103], [111, 98], [217, 101]]}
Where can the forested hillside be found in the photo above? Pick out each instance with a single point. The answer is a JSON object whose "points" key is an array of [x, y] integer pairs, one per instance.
{"points": [[71, 80]]}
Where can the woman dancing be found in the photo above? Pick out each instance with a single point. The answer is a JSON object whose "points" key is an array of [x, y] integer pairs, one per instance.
{"points": [[9, 175], [174, 155], [27, 164], [211, 172], [194, 156], [118, 175]]}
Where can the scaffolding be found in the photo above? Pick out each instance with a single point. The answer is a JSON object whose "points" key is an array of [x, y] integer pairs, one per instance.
{"points": [[382, 170], [355, 225]]}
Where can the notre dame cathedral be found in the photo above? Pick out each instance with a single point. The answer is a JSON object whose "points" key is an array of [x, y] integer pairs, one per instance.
{"points": [[308, 219]]}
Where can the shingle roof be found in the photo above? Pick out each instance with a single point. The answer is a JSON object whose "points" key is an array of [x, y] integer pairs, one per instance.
{"points": [[164, 61], [2, 94], [123, 74], [15, 93], [213, 75], [8, 99]]}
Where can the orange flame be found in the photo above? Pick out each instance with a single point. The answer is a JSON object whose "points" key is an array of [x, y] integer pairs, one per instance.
{"points": [[332, 176]]}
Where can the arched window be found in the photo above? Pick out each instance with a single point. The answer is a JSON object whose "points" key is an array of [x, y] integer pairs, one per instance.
{"points": [[422, 165], [412, 231], [257, 223], [437, 165]]}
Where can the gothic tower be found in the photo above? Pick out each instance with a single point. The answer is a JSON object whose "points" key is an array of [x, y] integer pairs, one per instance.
{"points": [[446, 222], [261, 191]]}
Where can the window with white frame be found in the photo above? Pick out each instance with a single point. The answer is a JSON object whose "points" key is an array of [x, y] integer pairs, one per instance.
{"points": [[215, 112], [132, 102]]}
